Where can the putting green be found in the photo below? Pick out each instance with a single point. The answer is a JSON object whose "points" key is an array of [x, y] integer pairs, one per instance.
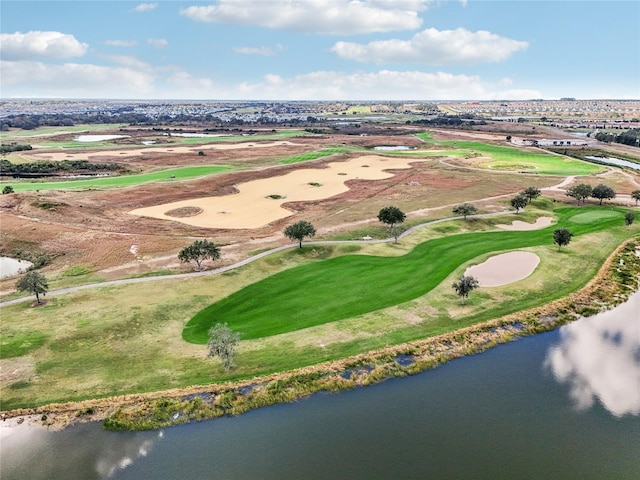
{"points": [[594, 215], [351, 285]]}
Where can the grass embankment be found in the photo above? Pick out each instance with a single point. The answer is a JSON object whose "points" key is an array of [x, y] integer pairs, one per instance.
{"points": [[349, 286], [612, 285], [169, 175], [516, 159], [126, 339]]}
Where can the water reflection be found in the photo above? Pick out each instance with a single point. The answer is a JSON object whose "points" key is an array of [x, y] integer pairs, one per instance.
{"points": [[599, 358], [33, 452]]}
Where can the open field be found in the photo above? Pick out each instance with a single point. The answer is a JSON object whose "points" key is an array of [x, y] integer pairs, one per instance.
{"points": [[125, 339]]}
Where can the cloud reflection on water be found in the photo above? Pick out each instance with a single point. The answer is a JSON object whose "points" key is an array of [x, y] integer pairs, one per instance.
{"points": [[122, 455], [599, 357]]}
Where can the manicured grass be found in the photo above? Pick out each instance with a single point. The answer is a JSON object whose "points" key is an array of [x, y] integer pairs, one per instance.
{"points": [[183, 173], [348, 286], [304, 157], [519, 159], [55, 130], [593, 216], [278, 135], [126, 339]]}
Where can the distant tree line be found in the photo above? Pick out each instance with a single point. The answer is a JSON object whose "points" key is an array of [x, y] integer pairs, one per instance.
{"points": [[31, 122], [449, 121], [49, 166], [630, 137], [14, 147]]}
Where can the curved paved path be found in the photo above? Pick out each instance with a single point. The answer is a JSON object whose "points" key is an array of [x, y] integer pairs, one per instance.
{"points": [[217, 271]]}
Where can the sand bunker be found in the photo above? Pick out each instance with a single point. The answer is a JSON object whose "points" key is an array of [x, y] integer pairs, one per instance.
{"points": [[132, 152], [259, 202], [505, 268], [541, 222]]}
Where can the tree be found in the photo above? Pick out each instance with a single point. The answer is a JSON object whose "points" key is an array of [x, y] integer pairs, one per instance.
{"points": [[199, 251], [629, 217], [602, 191], [392, 216], [222, 343], [636, 195], [33, 282], [7, 189], [465, 285], [464, 209], [531, 193], [580, 192], [562, 236], [518, 202], [299, 230]]}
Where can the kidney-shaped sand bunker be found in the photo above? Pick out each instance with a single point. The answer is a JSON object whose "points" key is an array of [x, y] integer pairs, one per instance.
{"points": [[504, 268]]}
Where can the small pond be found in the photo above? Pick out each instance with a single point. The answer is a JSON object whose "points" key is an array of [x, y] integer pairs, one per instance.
{"points": [[97, 138], [11, 266], [393, 148]]}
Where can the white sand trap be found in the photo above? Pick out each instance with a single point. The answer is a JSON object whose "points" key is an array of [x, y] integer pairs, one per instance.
{"points": [[133, 152], [505, 268], [252, 207], [541, 222]]}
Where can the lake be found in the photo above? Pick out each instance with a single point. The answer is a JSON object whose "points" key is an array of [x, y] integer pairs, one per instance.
{"points": [[559, 405]]}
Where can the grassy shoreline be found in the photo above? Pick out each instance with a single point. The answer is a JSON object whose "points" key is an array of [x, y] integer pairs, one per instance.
{"points": [[616, 280]]}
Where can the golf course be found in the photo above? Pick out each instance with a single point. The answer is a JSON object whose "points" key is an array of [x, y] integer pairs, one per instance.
{"points": [[133, 322]]}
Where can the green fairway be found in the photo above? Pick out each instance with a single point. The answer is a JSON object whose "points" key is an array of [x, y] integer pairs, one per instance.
{"points": [[171, 175], [352, 285], [519, 159], [43, 131], [325, 152]]}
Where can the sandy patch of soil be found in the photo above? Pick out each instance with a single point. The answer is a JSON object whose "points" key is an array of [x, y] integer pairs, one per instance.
{"points": [[260, 202], [132, 152], [541, 222], [505, 268]]}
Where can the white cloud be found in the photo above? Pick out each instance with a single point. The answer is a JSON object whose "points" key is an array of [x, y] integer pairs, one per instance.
{"points": [[383, 85], [128, 61], [52, 45], [190, 86], [145, 7], [121, 43], [338, 17], [434, 47], [264, 51], [36, 79], [597, 358], [157, 42]]}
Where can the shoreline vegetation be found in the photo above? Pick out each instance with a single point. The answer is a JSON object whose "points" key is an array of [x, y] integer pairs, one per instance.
{"points": [[615, 281]]}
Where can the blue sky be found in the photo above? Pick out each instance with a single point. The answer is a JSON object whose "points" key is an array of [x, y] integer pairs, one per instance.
{"points": [[320, 49]]}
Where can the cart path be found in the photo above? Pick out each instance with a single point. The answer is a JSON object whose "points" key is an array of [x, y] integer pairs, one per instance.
{"points": [[217, 271]]}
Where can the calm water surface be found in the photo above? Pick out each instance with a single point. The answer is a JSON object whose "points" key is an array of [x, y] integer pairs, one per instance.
{"points": [[560, 405]]}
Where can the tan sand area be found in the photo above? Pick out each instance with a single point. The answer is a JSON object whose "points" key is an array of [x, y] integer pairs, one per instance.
{"points": [[504, 268], [541, 222], [252, 207]]}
